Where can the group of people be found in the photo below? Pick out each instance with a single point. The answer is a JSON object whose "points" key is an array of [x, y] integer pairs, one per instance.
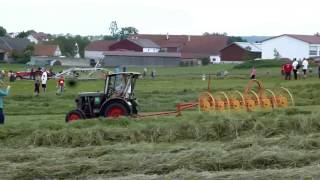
{"points": [[152, 74], [41, 77], [295, 67]]}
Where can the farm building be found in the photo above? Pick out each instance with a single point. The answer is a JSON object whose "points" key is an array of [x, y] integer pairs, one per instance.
{"points": [[46, 50], [191, 47], [130, 58], [241, 51], [96, 49], [38, 37], [135, 44], [10, 45], [291, 46]]}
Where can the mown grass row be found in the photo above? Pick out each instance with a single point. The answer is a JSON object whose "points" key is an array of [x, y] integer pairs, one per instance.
{"points": [[191, 126]]}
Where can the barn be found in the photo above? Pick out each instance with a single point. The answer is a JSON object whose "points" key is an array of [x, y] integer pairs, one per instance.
{"points": [[141, 59], [137, 44], [241, 51]]}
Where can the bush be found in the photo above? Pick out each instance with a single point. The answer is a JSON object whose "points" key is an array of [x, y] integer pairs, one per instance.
{"points": [[260, 64], [205, 61]]}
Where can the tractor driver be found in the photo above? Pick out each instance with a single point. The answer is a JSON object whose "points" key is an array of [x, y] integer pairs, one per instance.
{"points": [[120, 89]]}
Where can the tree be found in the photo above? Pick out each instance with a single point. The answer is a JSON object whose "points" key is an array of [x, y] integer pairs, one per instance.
{"points": [[126, 31], [3, 31], [233, 39], [25, 34]]}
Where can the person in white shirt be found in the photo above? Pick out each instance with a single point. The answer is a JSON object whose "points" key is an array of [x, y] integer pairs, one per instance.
{"points": [[305, 65], [295, 68], [44, 78]]}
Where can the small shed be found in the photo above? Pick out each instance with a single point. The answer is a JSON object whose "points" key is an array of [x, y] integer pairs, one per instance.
{"points": [[241, 51]]}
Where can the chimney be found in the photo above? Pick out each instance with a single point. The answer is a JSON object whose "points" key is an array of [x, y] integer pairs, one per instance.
{"points": [[189, 38], [167, 36]]}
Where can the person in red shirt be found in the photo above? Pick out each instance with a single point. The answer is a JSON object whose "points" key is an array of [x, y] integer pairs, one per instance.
{"points": [[60, 85], [287, 68]]}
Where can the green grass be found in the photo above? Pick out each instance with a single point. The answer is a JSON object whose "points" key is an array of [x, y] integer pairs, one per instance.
{"points": [[36, 143]]}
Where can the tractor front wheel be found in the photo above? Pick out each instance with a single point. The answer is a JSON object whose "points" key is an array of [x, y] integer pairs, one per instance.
{"points": [[74, 115], [116, 110]]}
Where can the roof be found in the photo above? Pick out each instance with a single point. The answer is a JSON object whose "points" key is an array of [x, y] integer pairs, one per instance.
{"points": [[141, 54], [311, 39], [120, 73], [45, 50], [144, 43], [102, 45], [253, 47], [40, 36], [10, 44], [198, 46]]}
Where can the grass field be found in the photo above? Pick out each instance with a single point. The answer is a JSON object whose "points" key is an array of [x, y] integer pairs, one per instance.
{"points": [[36, 143]]}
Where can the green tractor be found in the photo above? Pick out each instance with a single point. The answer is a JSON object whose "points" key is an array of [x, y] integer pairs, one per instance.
{"points": [[116, 100]]}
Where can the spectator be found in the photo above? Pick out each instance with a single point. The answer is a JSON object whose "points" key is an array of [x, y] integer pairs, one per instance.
{"points": [[124, 69], [253, 73], [3, 92], [11, 76], [32, 76], [295, 68], [60, 85], [44, 78], [37, 80], [153, 73], [287, 70], [305, 65], [145, 71], [319, 69]]}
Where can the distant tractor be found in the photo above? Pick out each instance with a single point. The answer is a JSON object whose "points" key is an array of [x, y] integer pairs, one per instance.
{"points": [[116, 100]]}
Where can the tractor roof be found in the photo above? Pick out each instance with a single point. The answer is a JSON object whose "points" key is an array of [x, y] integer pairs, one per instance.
{"points": [[123, 73]]}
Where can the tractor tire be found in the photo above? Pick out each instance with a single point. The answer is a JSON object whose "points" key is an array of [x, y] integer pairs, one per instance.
{"points": [[116, 110], [74, 115]]}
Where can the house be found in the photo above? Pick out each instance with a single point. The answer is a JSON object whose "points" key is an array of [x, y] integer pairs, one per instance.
{"points": [[46, 50], [95, 50], [191, 47], [291, 46], [38, 37], [135, 44], [241, 51], [141, 59], [11, 45]]}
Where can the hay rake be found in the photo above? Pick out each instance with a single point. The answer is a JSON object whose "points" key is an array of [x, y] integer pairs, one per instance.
{"points": [[249, 100]]}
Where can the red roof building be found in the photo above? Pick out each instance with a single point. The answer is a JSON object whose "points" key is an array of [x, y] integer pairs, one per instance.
{"points": [[240, 51], [194, 46], [46, 50]]}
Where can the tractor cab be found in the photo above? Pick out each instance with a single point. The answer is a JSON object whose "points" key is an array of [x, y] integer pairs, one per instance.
{"points": [[116, 100]]}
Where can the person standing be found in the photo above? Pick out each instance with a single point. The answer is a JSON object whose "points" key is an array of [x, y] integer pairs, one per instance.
{"points": [[60, 85], [3, 92], [253, 73], [287, 70], [295, 68], [37, 80], [305, 65], [153, 73], [319, 70], [44, 78]]}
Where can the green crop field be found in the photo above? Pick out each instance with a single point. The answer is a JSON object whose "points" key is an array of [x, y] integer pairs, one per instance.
{"points": [[36, 143]]}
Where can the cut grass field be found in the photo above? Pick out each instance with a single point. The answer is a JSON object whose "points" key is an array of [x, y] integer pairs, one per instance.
{"points": [[36, 143]]}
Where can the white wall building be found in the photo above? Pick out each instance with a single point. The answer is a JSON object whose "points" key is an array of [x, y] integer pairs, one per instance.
{"points": [[291, 46]]}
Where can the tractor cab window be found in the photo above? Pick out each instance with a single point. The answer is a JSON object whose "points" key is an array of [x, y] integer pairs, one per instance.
{"points": [[119, 85]]}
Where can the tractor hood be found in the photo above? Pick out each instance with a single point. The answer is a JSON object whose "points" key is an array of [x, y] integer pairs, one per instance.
{"points": [[90, 94]]}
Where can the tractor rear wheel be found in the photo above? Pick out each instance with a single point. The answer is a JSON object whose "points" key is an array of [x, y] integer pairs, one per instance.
{"points": [[74, 115], [116, 110]]}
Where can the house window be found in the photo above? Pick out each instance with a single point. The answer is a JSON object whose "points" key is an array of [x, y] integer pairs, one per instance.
{"points": [[313, 51]]}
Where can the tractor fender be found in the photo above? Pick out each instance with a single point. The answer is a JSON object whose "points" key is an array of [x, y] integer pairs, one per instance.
{"points": [[124, 102]]}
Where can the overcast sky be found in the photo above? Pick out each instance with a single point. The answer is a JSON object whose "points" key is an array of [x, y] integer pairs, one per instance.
{"points": [[93, 17]]}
